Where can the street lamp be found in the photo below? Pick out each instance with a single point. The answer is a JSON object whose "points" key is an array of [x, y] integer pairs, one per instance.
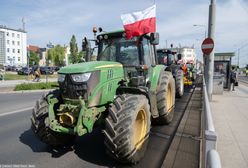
{"points": [[196, 25]]}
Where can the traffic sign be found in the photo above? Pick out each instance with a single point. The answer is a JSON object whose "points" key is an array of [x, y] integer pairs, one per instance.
{"points": [[207, 46]]}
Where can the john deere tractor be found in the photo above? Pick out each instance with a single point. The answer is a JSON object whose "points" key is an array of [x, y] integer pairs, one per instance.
{"points": [[125, 88], [169, 58]]}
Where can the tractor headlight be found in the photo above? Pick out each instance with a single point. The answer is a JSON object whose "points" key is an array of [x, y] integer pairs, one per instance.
{"points": [[61, 77], [81, 77]]}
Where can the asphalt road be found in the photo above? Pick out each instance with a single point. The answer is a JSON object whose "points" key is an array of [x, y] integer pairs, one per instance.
{"points": [[13, 102], [19, 146]]}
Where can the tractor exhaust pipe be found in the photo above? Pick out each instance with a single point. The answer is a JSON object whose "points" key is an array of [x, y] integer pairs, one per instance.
{"points": [[67, 119]]}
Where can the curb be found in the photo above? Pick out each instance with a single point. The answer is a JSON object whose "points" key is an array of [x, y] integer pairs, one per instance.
{"points": [[27, 91]]}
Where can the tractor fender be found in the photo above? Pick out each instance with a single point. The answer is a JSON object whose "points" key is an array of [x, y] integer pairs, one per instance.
{"points": [[150, 95]]}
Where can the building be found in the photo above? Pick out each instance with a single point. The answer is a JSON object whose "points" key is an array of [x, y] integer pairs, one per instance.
{"points": [[34, 49], [188, 54], [42, 55], [13, 46]]}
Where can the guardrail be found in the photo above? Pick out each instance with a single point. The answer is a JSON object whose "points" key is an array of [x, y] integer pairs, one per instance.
{"points": [[212, 159]]}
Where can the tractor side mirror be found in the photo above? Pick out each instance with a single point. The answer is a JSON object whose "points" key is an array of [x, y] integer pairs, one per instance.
{"points": [[154, 38]]}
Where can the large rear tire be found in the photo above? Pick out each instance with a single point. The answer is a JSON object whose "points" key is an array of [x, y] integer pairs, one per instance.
{"points": [[127, 128], [165, 98], [40, 126], [179, 84]]}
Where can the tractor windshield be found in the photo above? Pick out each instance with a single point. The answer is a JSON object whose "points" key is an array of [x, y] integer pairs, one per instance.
{"points": [[161, 57], [120, 50]]}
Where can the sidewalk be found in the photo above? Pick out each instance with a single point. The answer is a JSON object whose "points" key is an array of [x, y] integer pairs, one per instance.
{"points": [[9, 85], [12, 83], [230, 115]]}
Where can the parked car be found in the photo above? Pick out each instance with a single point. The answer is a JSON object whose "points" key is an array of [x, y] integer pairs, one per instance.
{"points": [[46, 70], [56, 68], [12, 68], [24, 71], [18, 68], [8, 68]]}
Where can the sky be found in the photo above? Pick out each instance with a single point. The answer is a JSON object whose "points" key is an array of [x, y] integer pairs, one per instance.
{"points": [[57, 20]]}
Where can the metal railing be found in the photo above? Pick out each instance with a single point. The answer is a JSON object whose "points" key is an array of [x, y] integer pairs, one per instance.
{"points": [[212, 159]]}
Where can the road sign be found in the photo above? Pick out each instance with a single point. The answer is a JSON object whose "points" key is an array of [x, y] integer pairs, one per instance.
{"points": [[207, 46]]}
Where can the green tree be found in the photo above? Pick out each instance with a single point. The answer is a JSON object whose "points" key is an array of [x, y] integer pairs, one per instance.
{"points": [[74, 56], [57, 55], [81, 56], [34, 58]]}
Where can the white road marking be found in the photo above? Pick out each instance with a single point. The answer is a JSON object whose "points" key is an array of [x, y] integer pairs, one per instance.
{"points": [[16, 111]]}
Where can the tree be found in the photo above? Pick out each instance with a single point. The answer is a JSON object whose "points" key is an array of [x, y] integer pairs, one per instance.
{"points": [[57, 55], [81, 56], [34, 58], [74, 57]]}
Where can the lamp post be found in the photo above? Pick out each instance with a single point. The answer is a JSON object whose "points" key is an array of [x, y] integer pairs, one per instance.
{"points": [[210, 58], [49, 46], [205, 28], [204, 57]]}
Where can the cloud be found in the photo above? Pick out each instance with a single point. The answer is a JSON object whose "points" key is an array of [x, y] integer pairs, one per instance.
{"points": [[57, 20]]}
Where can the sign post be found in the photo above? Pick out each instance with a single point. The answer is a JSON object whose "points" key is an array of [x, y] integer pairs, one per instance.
{"points": [[207, 47], [28, 56]]}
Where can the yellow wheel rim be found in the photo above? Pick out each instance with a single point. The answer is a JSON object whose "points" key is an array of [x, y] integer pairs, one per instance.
{"points": [[169, 99], [140, 128]]}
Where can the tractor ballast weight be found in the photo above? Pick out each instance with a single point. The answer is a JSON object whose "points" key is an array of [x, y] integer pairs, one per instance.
{"points": [[124, 88]]}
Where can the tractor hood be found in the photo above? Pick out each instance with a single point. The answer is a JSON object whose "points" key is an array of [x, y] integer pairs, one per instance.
{"points": [[89, 67]]}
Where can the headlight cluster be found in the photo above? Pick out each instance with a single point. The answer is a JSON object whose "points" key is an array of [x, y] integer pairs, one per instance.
{"points": [[75, 77], [81, 77]]}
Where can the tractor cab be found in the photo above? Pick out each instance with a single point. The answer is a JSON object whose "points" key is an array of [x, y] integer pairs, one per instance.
{"points": [[166, 57], [137, 55], [172, 60]]}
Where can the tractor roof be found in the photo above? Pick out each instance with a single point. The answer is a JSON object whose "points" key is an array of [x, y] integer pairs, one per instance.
{"points": [[117, 33]]}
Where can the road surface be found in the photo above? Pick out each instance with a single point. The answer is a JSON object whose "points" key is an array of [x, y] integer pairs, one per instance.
{"points": [[19, 146]]}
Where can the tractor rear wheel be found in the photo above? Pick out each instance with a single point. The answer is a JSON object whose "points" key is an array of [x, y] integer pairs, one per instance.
{"points": [[165, 98], [179, 84], [40, 126], [127, 128]]}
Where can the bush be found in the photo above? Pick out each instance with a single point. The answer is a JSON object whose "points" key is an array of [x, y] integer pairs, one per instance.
{"points": [[36, 86]]}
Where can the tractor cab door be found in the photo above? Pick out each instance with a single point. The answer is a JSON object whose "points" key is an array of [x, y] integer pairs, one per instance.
{"points": [[148, 53]]}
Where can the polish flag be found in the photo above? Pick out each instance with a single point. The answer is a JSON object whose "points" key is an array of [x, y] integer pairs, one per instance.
{"points": [[139, 23]]}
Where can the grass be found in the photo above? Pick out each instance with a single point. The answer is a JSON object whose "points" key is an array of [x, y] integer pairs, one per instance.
{"points": [[12, 76], [36, 86]]}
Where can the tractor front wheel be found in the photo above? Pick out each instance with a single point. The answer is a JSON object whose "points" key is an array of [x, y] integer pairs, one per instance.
{"points": [[165, 98], [127, 128], [40, 126]]}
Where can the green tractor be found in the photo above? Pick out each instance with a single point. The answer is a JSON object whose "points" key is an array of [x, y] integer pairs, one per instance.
{"points": [[169, 58], [124, 89]]}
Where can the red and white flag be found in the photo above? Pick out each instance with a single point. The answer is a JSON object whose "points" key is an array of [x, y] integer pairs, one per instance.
{"points": [[139, 23]]}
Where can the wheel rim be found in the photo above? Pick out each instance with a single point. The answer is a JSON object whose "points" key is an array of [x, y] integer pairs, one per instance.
{"points": [[140, 129], [169, 98]]}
